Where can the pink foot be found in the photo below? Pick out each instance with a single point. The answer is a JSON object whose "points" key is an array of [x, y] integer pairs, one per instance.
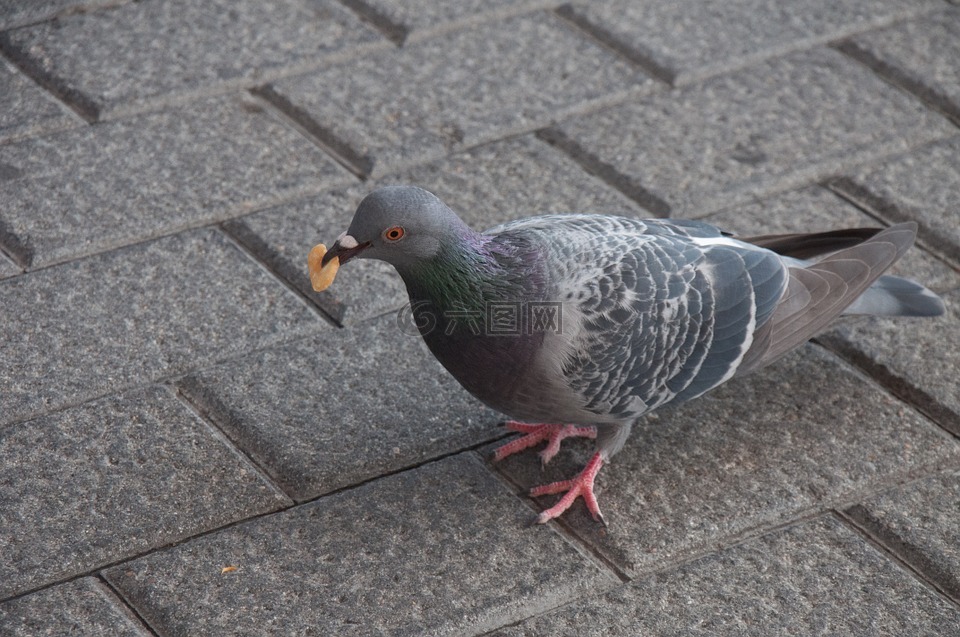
{"points": [[534, 434], [582, 485]]}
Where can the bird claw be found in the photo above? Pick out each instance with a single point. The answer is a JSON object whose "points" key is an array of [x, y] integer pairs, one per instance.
{"points": [[536, 433], [582, 485]]}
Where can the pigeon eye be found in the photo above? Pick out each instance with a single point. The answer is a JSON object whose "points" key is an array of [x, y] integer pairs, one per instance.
{"points": [[393, 234]]}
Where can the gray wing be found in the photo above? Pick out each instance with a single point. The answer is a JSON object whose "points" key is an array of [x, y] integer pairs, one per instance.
{"points": [[818, 292], [664, 311]]}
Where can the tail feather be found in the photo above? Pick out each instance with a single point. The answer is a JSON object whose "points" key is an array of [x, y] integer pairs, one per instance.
{"points": [[845, 281], [809, 245], [896, 296]]}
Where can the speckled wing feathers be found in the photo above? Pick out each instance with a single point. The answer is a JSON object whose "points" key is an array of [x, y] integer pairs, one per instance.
{"points": [[665, 311]]}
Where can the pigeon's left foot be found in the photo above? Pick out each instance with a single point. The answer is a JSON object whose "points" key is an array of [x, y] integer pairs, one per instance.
{"points": [[534, 434], [582, 485]]}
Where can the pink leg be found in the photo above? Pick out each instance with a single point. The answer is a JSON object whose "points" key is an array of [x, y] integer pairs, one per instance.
{"points": [[534, 434], [582, 485]]}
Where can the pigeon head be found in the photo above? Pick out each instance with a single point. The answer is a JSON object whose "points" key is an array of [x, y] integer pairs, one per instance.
{"points": [[400, 225]]}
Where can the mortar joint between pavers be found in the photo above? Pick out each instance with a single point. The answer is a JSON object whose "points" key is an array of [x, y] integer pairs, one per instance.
{"points": [[899, 79], [327, 306], [604, 171], [15, 249], [581, 544], [73, 99], [888, 381], [907, 558], [888, 212], [181, 392], [250, 244], [300, 120], [127, 605], [642, 60], [396, 33]]}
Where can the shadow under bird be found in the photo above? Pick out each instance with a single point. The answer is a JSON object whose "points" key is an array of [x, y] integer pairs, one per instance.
{"points": [[642, 313]]}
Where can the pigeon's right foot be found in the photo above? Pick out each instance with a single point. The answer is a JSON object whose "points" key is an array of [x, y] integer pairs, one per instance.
{"points": [[534, 434], [581, 486]]}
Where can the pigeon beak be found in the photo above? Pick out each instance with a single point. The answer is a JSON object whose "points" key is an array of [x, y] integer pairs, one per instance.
{"points": [[345, 248]]}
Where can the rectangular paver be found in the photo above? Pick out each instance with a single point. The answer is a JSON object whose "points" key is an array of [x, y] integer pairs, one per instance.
{"points": [[920, 523], [88, 327], [82, 608], [816, 578], [137, 55], [920, 55], [456, 90], [86, 190], [775, 126], [107, 480], [801, 435], [486, 185], [348, 406], [919, 186], [686, 40], [26, 109], [440, 550]]}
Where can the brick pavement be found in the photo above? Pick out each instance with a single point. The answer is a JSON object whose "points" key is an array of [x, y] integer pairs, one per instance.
{"points": [[175, 400]]}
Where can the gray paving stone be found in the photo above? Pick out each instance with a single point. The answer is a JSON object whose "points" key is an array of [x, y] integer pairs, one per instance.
{"points": [[817, 578], [816, 209], [438, 550], [920, 55], [918, 186], [920, 523], [460, 89], [15, 13], [25, 109], [775, 126], [918, 360], [82, 607], [86, 190], [89, 327], [691, 39], [138, 55], [410, 21], [486, 185], [109, 479], [802, 435], [333, 411]]}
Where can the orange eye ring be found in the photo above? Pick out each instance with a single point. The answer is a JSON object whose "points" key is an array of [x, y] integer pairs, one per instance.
{"points": [[393, 234]]}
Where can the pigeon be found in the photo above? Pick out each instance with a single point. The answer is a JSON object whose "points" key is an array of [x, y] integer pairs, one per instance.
{"points": [[577, 325]]}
